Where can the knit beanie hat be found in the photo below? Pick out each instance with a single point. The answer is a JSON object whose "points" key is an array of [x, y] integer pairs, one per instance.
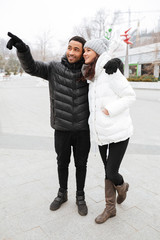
{"points": [[99, 45]]}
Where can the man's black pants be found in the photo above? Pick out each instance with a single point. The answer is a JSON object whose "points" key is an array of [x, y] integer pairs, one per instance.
{"points": [[80, 142]]}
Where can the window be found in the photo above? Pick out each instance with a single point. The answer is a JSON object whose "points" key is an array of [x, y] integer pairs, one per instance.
{"points": [[133, 70], [147, 69]]}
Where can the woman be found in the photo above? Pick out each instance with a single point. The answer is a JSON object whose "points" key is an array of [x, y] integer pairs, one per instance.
{"points": [[110, 96]]}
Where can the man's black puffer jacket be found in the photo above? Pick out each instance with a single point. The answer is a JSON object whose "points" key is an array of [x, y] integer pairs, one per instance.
{"points": [[68, 94]]}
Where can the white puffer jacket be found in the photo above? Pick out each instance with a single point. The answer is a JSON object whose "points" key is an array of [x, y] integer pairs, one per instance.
{"points": [[114, 93]]}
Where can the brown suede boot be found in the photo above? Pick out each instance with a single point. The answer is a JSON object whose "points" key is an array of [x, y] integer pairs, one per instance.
{"points": [[122, 192], [110, 196]]}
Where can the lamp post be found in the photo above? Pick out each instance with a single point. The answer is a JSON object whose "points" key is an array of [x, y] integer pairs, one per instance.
{"points": [[126, 40]]}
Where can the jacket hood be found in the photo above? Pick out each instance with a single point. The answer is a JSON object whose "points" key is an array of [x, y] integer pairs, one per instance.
{"points": [[102, 60]]}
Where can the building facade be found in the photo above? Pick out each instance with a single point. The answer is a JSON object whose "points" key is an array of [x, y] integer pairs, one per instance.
{"points": [[143, 60]]}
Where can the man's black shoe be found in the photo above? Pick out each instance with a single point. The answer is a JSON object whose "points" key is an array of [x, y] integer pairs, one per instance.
{"points": [[82, 207], [61, 198]]}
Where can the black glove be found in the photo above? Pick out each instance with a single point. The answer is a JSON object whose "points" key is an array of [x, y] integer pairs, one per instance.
{"points": [[112, 65], [17, 43]]}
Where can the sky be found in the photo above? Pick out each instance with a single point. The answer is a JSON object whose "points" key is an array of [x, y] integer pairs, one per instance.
{"points": [[29, 19]]}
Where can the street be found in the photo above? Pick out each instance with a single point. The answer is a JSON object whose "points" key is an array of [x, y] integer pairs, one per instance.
{"points": [[29, 172]]}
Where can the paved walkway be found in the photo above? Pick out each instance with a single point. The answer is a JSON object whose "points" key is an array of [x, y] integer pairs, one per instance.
{"points": [[29, 177]]}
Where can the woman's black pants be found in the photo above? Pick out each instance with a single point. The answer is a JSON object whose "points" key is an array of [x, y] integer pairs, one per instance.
{"points": [[113, 159], [80, 142]]}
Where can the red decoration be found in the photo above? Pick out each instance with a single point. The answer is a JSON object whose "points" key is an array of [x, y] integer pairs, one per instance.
{"points": [[127, 37]]}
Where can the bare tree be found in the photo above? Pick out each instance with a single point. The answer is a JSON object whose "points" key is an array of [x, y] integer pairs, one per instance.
{"points": [[2, 63], [99, 23], [8, 60], [85, 29], [12, 64], [43, 50], [3, 49], [95, 27]]}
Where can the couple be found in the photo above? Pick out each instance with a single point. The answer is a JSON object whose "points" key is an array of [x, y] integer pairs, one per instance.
{"points": [[85, 73]]}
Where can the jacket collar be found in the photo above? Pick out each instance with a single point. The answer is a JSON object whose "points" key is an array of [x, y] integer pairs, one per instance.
{"points": [[75, 67]]}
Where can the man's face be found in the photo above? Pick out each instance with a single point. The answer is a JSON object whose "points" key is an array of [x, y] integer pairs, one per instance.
{"points": [[74, 51]]}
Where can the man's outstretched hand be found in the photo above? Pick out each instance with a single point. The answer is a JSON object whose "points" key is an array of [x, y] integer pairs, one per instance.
{"points": [[16, 42], [112, 65]]}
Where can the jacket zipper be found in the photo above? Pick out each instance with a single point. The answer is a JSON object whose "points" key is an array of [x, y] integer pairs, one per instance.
{"points": [[95, 113]]}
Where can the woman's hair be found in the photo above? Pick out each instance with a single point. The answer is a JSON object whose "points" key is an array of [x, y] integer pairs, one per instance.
{"points": [[90, 69]]}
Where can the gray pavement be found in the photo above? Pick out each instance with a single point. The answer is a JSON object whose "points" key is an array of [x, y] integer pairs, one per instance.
{"points": [[28, 173], [146, 85]]}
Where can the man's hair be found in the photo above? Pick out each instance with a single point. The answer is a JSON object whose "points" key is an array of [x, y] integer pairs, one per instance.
{"points": [[78, 39]]}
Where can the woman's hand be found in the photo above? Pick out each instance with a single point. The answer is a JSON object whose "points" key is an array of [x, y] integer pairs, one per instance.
{"points": [[105, 111]]}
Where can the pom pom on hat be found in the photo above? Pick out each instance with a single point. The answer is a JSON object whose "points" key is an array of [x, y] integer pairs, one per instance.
{"points": [[99, 45]]}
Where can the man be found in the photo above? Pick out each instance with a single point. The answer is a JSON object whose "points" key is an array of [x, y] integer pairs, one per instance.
{"points": [[69, 112]]}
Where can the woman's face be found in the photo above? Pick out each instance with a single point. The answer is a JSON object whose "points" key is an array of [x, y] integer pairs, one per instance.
{"points": [[89, 55]]}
